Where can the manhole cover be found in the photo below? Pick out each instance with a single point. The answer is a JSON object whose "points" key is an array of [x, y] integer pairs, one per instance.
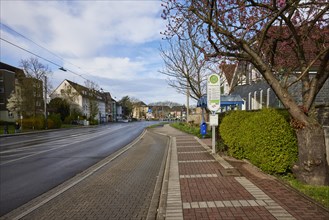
{"points": [[230, 172]]}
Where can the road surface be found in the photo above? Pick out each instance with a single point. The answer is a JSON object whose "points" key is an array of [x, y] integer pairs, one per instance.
{"points": [[33, 164]]}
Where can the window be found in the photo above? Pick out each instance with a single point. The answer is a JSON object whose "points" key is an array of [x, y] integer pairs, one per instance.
{"points": [[2, 90], [10, 114], [2, 101]]}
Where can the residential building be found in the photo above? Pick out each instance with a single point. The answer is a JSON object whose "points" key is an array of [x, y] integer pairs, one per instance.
{"points": [[280, 51], [7, 87], [227, 71], [27, 90], [139, 110], [119, 115], [114, 104], [108, 106], [167, 112], [257, 93], [85, 98]]}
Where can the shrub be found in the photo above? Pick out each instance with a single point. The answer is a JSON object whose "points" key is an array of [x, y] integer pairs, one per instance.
{"points": [[33, 123], [263, 137], [188, 128], [93, 122], [70, 119], [54, 121], [273, 145], [231, 130]]}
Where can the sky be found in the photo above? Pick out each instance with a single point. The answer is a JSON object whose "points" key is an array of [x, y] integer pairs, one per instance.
{"points": [[114, 43]]}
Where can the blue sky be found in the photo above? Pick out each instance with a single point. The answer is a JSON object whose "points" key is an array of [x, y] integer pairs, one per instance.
{"points": [[113, 43]]}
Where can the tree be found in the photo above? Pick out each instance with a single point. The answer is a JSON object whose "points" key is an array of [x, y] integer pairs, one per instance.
{"points": [[14, 103], [92, 98], [283, 40], [60, 106], [186, 67], [127, 106], [33, 86]]}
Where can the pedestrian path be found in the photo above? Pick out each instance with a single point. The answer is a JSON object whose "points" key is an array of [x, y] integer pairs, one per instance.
{"points": [[203, 186]]}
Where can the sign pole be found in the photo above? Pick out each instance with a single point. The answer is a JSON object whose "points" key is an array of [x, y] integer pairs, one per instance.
{"points": [[213, 136], [213, 104]]}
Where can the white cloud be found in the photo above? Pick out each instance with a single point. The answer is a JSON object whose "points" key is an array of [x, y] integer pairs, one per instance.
{"points": [[81, 28], [109, 67], [114, 43]]}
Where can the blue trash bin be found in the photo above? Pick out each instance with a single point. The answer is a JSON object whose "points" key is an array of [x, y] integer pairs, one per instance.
{"points": [[203, 129]]}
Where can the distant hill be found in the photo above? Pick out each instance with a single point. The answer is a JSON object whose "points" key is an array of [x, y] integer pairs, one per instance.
{"points": [[165, 103]]}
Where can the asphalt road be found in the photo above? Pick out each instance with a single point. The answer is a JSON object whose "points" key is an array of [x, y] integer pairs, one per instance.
{"points": [[33, 164]]}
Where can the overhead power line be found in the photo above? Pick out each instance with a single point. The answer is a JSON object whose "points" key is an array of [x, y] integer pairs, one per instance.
{"points": [[10, 28], [23, 36], [44, 48], [45, 59], [15, 45]]}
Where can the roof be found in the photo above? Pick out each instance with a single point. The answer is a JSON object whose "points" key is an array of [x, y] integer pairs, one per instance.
{"points": [[279, 38], [228, 70], [79, 88], [18, 72], [225, 100], [140, 103]]}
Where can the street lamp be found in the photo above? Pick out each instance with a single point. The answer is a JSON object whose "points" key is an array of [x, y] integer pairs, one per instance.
{"points": [[63, 69], [45, 106]]}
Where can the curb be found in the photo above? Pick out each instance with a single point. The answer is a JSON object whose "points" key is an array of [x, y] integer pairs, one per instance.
{"points": [[156, 201], [164, 189]]}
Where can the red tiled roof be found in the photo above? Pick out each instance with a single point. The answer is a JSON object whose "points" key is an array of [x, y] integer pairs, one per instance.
{"points": [[228, 70], [279, 39]]}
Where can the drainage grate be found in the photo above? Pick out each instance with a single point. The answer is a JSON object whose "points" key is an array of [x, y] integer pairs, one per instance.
{"points": [[230, 172]]}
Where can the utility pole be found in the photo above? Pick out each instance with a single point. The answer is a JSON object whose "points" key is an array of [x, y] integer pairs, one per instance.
{"points": [[187, 102], [45, 106]]}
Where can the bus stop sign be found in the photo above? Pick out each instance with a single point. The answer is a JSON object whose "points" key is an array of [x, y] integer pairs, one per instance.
{"points": [[213, 93]]}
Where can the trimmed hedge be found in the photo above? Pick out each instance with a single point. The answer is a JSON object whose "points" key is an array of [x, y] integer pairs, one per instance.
{"points": [[231, 130], [264, 137]]}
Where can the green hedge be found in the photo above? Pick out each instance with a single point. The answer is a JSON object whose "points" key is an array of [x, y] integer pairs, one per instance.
{"points": [[231, 130], [36, 123], [54, 121], [264, 137], [189, 128]]}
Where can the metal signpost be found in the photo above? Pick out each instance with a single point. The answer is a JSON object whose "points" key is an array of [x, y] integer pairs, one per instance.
{"points": [[213, 104]]}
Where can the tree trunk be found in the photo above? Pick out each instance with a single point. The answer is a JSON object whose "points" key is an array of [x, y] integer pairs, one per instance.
{"points": [[312, 166]]}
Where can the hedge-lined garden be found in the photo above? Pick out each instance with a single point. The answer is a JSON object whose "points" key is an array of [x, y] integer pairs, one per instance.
{"points": [[265, 138]]}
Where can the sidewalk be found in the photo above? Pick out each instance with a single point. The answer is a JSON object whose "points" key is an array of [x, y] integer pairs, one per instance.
{"points": [[202, 186]]}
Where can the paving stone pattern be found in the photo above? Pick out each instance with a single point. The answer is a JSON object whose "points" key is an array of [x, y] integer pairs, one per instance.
{"points": [[121, 190], [209, 189]]}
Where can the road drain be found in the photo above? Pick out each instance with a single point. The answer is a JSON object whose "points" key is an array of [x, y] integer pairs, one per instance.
{"points": [[229, 172]]}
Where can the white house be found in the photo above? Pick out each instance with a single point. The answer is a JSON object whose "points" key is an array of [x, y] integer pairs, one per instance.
{"points": [[83, 97]]}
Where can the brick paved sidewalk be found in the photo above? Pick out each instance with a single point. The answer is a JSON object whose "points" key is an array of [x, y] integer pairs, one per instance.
{"points": [[122, 186], [202, 186]]}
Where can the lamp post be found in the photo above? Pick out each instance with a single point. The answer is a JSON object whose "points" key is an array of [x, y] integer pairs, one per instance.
{"points": [[45, 106], [21, 123], [187, 101]]}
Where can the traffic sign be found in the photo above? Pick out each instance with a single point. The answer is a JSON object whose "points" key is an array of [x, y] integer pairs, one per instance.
{"points": [[213, 92]]}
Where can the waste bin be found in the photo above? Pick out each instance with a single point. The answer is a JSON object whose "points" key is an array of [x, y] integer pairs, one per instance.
{"points": [[203, 129]]}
